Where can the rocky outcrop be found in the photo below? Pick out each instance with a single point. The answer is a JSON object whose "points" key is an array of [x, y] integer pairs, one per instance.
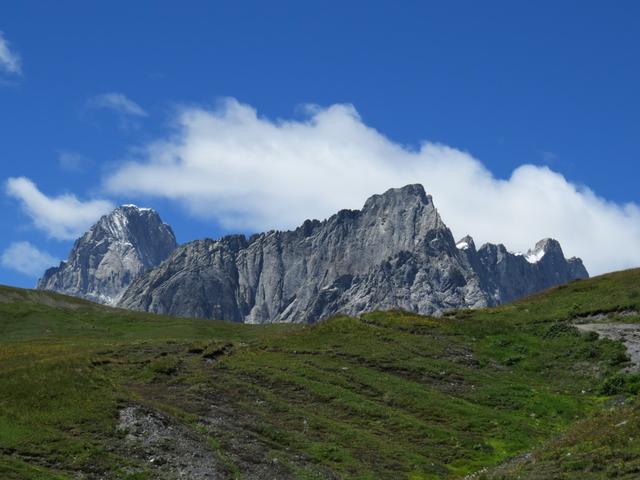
{"points": [[394, 253], [115, 251], [506, 276]]}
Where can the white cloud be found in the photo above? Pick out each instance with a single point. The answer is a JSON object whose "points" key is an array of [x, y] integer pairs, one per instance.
{"points": [[117, 102], [63, 217], [27, 259], [254, 173], [9, 60]]}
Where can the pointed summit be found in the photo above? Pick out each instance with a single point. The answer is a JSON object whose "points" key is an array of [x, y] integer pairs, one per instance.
{"points": [[548, 256], [407, 209], [399, 196], [542, 248], [115, 250], [466, 243]]}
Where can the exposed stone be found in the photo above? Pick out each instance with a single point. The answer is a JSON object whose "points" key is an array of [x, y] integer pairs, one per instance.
{"points": [[115, 251], [395, 253]]}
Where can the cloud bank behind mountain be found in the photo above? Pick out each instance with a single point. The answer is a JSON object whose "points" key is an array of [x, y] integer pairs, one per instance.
{"points": [[254, 173]]}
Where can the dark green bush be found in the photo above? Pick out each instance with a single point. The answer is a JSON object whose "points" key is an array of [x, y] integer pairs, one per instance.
{"points": [[620, 383], [559, 329], [619, 358], [591, 336], [589, 352], [513, 360], [613, 385]]}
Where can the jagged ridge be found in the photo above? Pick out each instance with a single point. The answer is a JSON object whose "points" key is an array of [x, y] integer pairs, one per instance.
{"points": [[394, 253]]}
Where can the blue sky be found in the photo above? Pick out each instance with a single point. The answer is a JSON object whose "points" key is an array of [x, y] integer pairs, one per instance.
{"points": [[502, 84]]}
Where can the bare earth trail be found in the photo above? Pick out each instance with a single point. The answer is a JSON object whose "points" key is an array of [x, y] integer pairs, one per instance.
{"points": [[627, 333]]}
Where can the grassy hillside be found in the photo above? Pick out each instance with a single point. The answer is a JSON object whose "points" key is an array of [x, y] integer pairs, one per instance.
{"points": [[92, 392]]}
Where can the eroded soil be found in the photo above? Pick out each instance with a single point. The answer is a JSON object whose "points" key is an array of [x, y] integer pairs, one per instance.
{"points": [[627, 333], [170, 449]]}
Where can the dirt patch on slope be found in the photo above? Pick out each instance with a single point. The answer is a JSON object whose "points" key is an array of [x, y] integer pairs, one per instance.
{"points": [[240, 444], [600, 316], [627, 333], [168, 448]]}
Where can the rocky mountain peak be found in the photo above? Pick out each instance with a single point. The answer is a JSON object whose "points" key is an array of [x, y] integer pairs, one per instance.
{"points": [[395, 198], [119, 222], [403, 217], [111, 254], [466, 243], [395, 253], [542, 248]]}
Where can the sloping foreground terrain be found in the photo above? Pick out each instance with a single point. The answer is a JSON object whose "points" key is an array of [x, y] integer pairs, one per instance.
{"points": [[90, 392]]}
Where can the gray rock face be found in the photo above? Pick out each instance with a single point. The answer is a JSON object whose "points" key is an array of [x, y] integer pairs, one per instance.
{"points": [[506, 276], [394, 253], [115, 251]]}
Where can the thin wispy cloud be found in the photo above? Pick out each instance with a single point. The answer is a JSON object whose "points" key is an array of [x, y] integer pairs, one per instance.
{"points": [[72, 161], [9, 60], [117, 102], [253, 173], [63, 217], [27, 259]]}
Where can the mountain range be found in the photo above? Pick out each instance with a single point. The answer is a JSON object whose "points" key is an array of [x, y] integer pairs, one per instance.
{"points": [[394, 253]]}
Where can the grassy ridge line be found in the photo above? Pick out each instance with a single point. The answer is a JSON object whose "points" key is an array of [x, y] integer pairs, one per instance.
{"points": [[389, 395]]}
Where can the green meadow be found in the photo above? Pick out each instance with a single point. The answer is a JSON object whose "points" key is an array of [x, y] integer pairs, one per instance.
{"points": [[509, 392]]}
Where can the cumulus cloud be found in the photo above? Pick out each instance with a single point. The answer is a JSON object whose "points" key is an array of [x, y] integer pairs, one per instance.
{"points": [[9, 60], [63, 217], [250, 172], [25, 258], [117, 102]]}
